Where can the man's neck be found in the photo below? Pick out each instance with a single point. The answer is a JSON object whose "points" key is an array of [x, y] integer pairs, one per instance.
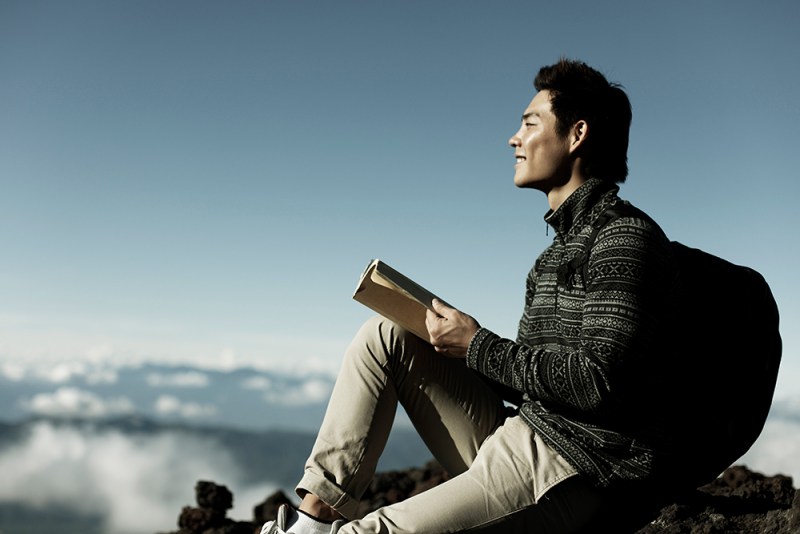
{"points": [[557, 195]]}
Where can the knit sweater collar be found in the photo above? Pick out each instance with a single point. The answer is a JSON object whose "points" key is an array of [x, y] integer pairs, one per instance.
{"points": [[574, 210]]}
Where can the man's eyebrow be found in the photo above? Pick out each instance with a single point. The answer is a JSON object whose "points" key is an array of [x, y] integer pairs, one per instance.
{"points": [[530, 114]]}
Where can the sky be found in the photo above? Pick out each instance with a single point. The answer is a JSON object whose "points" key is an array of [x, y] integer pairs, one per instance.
{"points": [[202, 182]]}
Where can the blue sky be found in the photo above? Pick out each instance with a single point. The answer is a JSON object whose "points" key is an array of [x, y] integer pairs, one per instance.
{"points": [[202, 182]]}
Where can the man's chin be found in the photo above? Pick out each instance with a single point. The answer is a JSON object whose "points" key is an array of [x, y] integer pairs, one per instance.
{"points": [[529, 184]]}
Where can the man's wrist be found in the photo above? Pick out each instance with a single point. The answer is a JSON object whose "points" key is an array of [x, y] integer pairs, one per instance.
{"points": [[474, 347]]}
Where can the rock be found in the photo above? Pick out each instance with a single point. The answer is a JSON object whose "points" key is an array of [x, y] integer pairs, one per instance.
{"points": [[212, 496], [268, 510], [394, 486], [739, 501], [213, 502], [199, 519]]}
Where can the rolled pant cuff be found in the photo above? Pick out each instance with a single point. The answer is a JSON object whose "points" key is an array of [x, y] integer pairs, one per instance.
{"points": [[329, 493]]}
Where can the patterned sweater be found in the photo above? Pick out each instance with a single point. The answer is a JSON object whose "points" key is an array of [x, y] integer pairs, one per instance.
{"points": [[588, 355]]}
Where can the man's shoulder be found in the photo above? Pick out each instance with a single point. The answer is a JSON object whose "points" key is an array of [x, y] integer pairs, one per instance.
{"points": [[623, 216]]}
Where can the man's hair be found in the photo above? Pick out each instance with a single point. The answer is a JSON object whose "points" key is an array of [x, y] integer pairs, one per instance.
{"points": [[579, 92]]}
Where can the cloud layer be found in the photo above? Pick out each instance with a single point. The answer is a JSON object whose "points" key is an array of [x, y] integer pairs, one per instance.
{"points": [[72, 402], [137, 484], [777, 450]]}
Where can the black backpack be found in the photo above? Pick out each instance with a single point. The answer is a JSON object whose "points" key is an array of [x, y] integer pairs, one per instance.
{"points": [[729, 350]]}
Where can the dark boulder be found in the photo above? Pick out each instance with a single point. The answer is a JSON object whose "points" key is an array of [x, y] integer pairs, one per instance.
{"points": [[739, 501]]}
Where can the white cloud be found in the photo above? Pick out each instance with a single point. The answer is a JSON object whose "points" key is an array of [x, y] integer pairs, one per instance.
{"points": [[74, 402], [170, 405], [102, 376], [312, 391], [62, 372], [137, 484], [316, 390], [189, 379], [99, 353], [788, 406], [256, 382], [228, 360], [777, 450], [13, 371]]}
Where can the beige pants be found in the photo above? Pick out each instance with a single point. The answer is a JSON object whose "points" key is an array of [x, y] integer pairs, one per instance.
{"points": [[501, 469]]}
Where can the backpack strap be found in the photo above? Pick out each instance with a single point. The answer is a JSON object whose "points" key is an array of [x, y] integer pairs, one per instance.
{"points": [[566, 272]]}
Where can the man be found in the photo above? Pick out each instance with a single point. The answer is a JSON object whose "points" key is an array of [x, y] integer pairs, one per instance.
{"points": [[584, 370]]}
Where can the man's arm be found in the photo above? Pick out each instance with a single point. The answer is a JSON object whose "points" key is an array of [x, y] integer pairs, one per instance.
{"points": [[626, 298]]}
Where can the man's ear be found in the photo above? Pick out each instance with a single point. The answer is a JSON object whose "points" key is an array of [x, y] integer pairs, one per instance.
{"points": [[578, 135]]}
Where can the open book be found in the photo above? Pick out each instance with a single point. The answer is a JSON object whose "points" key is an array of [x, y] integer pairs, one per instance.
{"points": [[395, 296]]}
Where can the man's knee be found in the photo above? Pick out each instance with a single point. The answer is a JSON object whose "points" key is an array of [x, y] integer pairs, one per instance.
{"points": [[384, 331], [382, 339]]}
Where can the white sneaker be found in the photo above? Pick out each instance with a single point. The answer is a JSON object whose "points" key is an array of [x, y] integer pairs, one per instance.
{"points": [[279, 525], [284, 513]]}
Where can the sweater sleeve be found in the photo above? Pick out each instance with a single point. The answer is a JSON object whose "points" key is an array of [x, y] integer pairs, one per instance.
{"points": [[625, 296]]}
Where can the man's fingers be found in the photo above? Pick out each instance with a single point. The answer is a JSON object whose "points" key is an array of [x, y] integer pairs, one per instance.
{"points": [[440, 308], [430, 323], [430, 318]]}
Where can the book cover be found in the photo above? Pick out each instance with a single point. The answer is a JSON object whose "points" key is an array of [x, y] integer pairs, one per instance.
{"points": [[395, 296]]}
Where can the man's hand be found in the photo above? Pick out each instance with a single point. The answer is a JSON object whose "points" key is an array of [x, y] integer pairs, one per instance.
{"points": [[450, 330]]}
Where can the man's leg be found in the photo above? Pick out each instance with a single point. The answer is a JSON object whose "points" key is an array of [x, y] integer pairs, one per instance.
{"points": [[453, 410], [517, 483]]}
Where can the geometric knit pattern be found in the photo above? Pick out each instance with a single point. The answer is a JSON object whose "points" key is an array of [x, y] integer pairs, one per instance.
{"points": [[583, 353]]}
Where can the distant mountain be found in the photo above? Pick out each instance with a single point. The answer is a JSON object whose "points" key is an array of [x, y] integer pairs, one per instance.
{"points": [[244, 398]]}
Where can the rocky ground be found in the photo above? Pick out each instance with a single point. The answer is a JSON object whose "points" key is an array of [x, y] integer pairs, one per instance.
{"points": [[740, 501]]}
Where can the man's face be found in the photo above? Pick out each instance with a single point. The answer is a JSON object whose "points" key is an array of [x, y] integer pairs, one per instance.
{"points": [[543, 157]]}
